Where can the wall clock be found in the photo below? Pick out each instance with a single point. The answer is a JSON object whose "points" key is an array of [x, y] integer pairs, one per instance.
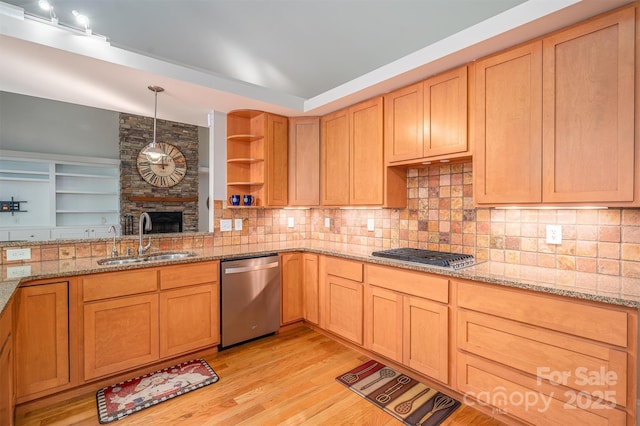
{"points": [[168, 172]]}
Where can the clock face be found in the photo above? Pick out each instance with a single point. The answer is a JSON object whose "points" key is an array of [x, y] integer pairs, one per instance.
{"points": [[168, 172]]}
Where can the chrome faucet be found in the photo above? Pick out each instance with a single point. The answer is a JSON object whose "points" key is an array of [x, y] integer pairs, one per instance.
{"points": [[147, 227], [114, 250]]}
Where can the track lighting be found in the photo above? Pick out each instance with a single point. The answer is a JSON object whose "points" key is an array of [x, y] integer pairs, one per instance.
{"points": [[82, 20], [45, 5]]}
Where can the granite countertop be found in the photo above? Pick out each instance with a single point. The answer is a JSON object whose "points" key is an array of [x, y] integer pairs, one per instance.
{"points": [[614, 290]]}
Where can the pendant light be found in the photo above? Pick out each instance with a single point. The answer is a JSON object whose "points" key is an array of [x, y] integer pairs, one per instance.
{"points": [[152, 151]]}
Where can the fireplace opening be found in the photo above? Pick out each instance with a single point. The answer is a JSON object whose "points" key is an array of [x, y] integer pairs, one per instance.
{"points": [[165, 222]]}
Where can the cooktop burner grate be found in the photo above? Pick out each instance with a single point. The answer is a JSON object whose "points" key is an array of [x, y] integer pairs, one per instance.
{"points": [[429, 257]]}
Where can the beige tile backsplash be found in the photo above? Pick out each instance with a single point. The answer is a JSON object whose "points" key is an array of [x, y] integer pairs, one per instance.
{"points": [[440, 215]]}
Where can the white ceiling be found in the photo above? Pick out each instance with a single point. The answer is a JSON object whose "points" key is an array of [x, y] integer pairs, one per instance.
{"points": [[293, 57]]}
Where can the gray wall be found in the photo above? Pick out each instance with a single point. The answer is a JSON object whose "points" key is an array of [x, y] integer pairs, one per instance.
{"points": [[40, 125]]}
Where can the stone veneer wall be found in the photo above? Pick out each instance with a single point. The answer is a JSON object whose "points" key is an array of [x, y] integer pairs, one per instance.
{"points": [[135, 133]]}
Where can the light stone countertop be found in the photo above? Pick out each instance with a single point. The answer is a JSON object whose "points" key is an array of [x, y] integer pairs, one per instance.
{"points": [[609, 289]]}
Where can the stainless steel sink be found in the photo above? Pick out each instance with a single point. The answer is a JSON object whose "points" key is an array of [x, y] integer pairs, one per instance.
{"points": [[143, 259]]}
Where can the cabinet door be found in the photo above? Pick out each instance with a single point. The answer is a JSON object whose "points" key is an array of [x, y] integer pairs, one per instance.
{"points": [[310, 287], [120, 334], [42, 338], [366, 153], [277, 146], [445, 113], [507, 120], [403, 124], [383, 322], [291, 276], [6, 383], [343, 300], [426, 337], [588, 96], [7, 395], [189, 319], [304, 161], [334, 170]]}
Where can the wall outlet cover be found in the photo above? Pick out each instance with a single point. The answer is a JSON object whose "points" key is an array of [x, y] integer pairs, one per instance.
{"points": [[18, 271], [327, 222], [238, 224], [225, 225], [554, 234], [371, 225], [290, 222], [18, 254]]}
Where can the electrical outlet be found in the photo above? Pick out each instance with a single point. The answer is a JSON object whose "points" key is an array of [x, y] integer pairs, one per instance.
{"points": [[238, 225], [18, 271], [18, 254], [371, 225], [327, 222], [290, 222], [225, 225], [554, 234]]}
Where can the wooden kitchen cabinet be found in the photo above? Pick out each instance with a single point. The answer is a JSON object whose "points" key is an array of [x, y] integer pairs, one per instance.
{"points": [[533, 343], [189, 319], [554, 119], [407, 319], [42, 338], [589, 148], [7, 388], [189, 307], [507, 120], [428, 120], [257, 157], [291, 269], [120, 334], [352, 164], [343, 298], [304, 161], [310, 291]]}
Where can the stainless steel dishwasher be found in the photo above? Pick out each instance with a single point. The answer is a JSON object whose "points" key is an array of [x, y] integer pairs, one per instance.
{"points": [[250, 298]]}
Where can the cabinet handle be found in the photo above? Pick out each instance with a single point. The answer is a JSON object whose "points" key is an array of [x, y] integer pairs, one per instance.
{"points": [[250, 268]]}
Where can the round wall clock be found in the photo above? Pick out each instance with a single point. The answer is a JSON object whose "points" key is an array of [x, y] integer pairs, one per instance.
{"points": [[168, 172]]}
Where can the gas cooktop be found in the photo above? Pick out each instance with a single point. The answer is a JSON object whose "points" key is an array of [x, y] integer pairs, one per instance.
{"points": [[429, 257]]}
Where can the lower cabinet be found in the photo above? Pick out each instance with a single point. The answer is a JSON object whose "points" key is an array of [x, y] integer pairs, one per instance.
{"points": [[343, 293], [173, 310], [291, 270], [7, 389], [42, 338], [541, 357], [189, 319], [310, 291], [405, 324], [120, 334]]}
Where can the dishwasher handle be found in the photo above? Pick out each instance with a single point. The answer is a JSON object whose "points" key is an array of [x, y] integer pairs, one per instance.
{"points": [[242, 269]]}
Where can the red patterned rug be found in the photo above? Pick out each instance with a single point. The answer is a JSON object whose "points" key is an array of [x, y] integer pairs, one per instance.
{"points": [[120, 400], [408, 400]]}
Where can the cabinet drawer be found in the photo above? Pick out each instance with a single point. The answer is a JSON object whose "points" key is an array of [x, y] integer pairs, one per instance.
{"points": [[189, 274], [116, 284], [521, 396], [349, 269], [578, 364], [599, 323], [413, 283]]}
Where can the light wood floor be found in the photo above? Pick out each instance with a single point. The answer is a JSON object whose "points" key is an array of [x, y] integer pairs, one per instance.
{"points": [[286, 379]]}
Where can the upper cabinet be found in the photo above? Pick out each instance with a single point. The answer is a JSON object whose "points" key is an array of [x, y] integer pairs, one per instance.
{"points": [[428, 120], [352, 164], [304, 161], [257, 164], [553, 120]]}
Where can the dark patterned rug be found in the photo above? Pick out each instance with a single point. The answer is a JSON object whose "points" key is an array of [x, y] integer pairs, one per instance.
{"points": [[411, 402], [120, 400]]}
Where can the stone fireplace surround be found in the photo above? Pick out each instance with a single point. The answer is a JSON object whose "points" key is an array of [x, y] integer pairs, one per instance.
{"points": [[136, 195]]}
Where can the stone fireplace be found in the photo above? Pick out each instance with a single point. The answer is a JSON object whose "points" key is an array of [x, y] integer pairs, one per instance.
{"points": [[136, 195]]}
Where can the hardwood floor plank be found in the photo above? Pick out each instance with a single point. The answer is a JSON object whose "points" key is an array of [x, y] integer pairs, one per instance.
{"points": [[287, 379]]}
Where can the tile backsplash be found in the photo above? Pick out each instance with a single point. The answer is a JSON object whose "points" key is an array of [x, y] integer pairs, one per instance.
{"points": [[440, 215]]}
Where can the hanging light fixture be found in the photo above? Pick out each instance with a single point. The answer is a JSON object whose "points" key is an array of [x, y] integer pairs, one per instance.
{"points": [[153, 152]]}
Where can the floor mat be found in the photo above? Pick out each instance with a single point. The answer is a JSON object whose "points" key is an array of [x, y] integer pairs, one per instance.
{"points": [[411, 402]]}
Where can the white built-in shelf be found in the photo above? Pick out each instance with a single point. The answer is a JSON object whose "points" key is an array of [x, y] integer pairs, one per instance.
{"points": [[86, 192]]}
